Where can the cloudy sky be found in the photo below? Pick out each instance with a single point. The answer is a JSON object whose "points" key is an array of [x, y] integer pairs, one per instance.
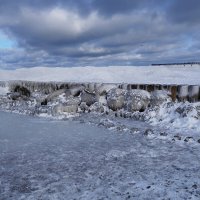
{"points": [[98, 32]]}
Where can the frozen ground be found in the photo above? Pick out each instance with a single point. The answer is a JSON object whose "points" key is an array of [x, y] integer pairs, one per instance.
{"points": [[46, 159], [128, 74]]}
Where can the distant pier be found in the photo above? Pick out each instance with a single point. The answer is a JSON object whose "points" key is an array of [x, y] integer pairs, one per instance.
{"points": [[184, 64]]}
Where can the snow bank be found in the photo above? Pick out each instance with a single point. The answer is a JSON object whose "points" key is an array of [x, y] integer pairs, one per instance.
{"points": [[128, 74], [182, 116]]}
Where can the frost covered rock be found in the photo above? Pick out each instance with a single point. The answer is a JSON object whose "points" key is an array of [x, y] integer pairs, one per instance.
{"points": [[76, 90], [91, 87], [19, 105], [61, 95], [105, 88], [73, 101], [116, 99], [23, 91], [43, 87], [69, 106], [137, 100], [88, 98], [97, 107], [83, 106], [14, 95], [17, 96], [42, 110], [55, 94], [116, 104], [102, 100], [158, 97], [64, 108], [189, 110]]}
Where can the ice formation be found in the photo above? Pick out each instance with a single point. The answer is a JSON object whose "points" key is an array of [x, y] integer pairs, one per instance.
{"points": [[66, 100]]}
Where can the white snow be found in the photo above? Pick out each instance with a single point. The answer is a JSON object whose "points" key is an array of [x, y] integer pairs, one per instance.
{"points": [[4, 90], [167, 116], [127, 74]]}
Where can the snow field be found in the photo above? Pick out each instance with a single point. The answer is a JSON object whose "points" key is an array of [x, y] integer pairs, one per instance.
{"points": [[127, 74]]}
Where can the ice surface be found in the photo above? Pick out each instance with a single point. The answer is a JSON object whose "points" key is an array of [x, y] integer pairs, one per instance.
{"points": [[128, 74], [46, 159], [3, 90]]}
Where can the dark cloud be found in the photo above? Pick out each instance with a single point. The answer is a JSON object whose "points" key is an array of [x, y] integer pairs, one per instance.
{"points": [[111, 7], [185, 11], [116, 6], [99, 32], [14, 7]]}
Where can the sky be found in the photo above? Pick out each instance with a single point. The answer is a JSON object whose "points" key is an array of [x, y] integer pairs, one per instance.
{"points": [[70, 33]]}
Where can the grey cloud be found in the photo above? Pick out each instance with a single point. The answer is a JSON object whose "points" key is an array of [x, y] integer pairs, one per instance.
{"points": [[185, 11], [105, 7], [99, 32], [14, 7], [111, 7]]}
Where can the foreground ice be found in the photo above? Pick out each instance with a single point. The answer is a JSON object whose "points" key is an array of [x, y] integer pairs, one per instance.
{"points": [[46, 159]]}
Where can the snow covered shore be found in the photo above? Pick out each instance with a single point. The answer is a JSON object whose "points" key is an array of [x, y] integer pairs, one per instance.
{"points": [[64, 100], [156, 107]]}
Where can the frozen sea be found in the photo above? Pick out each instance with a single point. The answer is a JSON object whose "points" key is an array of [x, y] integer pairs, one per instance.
{"points": [[43, 159]]}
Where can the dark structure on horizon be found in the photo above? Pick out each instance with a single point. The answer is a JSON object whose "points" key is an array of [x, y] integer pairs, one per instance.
{"points": [[185, 63]]}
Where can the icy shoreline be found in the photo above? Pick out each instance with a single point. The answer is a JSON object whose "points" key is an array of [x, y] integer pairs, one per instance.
{"points": [[155, 108]]}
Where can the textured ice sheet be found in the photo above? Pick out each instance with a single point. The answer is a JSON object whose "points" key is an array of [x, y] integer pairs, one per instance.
{"points": [[45, 159]]}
